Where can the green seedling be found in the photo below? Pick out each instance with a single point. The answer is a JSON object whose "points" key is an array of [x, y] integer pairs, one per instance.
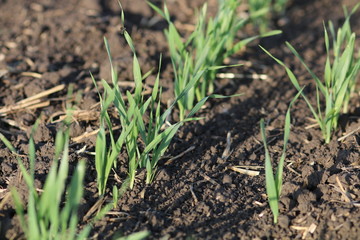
{"points": [[274, 182], [48, 217], [344, 35], [145, 140], [141, 139], [145, 133], [105, 156], [209, 44], [340, 77]]}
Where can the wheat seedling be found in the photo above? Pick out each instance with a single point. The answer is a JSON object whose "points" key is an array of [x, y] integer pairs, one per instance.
{"points": [[274, 182], [340, 76], [47, 216], [208, 45], [145, 132], [145, 141]]}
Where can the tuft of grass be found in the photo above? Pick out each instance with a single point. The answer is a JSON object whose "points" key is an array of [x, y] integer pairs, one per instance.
{"points": [[274, 182], [46, 215], [339, 80], [208, 45], [343, 36], [145, 141], [145, 132]]}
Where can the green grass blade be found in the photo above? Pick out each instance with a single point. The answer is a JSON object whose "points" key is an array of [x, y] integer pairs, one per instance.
{"points": [[19, 208], [113, 72], [327, 71], [100, 159], [296, 84], [159, 11], [317, 80], [33, 221], [8, 144], [239, 45], [75, 192], [280, 167], [159, 138], [202, 102], [271, 187], [122, 13]]}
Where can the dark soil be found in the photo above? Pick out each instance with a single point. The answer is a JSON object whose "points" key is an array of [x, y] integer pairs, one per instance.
{"points": [[195, 196]]}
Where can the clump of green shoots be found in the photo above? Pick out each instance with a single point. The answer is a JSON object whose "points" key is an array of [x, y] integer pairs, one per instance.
{"points": [[274, 182], [340, 76], [47, 216], [261, 12], [209, 44], [145, 140]]}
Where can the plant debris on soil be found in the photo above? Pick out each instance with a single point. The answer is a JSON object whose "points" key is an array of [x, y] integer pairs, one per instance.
{"points": [[211, 185]]}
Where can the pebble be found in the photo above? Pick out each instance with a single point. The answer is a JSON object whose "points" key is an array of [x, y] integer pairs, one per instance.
{"points": [[163, 175], [220, 197], [3, 72], [227, 179], [283, 221]]}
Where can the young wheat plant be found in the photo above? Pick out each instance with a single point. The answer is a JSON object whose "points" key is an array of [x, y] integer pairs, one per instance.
{"points": [[274, 182], [47, 216], [145, 133], [145, 140], [208, 45], [340, 76]]}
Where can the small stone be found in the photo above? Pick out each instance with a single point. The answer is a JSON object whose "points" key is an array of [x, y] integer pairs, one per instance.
{"points": [[75, 130], [220, 197], [53, 77], [283, 221], [66, 71], [43, 66], [42, 134], [3, 72], [37, 7], [227, 179], [163, 175], [125, 208]]}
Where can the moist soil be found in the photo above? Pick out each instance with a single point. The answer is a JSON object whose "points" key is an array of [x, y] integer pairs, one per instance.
{"points": [[197, 195]]}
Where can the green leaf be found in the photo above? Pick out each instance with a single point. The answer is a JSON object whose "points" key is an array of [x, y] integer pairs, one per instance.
{"points": [[19, 208], [113, 72], [295, 82], [327, 75], [280, 167], [100, 159], [317, 80], [271, 187]]}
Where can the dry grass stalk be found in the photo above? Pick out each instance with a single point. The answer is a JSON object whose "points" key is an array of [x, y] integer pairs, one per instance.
{"points": [[32, 102], [244, 171]]}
